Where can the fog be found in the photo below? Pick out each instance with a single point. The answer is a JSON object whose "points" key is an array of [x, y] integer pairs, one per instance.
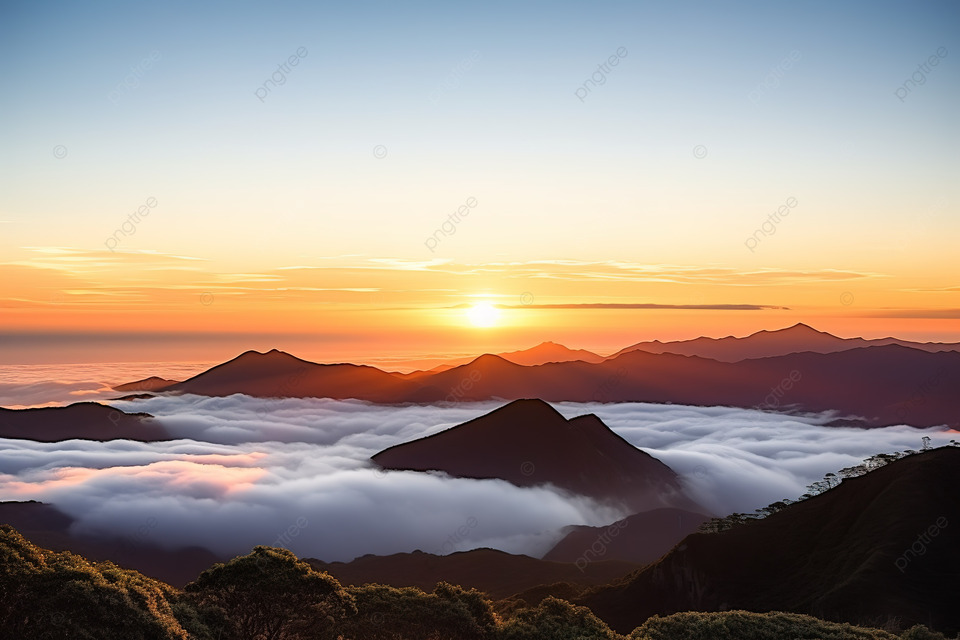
{"points": [[296, 473]]}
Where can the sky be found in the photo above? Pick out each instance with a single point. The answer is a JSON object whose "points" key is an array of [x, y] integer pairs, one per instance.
{"points": [[173, 187], [245, 470]]}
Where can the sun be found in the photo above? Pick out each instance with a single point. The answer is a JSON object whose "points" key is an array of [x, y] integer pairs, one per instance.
{"points": [[483, 314]]}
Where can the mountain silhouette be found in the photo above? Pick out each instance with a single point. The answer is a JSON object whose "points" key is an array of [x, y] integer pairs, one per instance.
{"points": [[550, 352], [528, 443], [81, 420], [764, 344], [497, 573], [641, 538], [276, 374], [867, 386], [153, 383], [876, 548], [880, 386]]}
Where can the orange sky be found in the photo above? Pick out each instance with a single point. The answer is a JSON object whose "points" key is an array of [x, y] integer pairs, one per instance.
{"points": [[70, 305]]}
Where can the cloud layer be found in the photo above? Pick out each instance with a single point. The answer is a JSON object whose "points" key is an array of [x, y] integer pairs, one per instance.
{"points": [[295, 472]]}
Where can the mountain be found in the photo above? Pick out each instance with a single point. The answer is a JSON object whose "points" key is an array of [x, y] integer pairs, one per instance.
{"points": [[50, 528], [279, 374], [880, 385], [640, 538], [874, 386], [541, 354], [876, 548], [528, 443], [764, 344], [82, 420], [497, 573], [153, 383], [550, 352]]}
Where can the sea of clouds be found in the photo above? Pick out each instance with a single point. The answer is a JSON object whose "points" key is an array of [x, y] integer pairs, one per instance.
{"points": [[296, 473]]}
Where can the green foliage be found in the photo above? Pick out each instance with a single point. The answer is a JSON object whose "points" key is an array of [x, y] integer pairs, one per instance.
{"points": [[45, 594], [745, 625], [271, 595], [556, 619], [408, 613]]}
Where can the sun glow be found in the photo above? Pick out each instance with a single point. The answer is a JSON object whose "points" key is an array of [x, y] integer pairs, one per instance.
{"points": [[483, 314]]}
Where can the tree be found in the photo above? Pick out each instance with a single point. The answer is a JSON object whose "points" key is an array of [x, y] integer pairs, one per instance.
{"points": [[272, 595], [853, 472], [746, 625], [408, 613]]}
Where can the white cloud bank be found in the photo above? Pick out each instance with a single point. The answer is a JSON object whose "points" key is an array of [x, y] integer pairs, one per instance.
{"points": [[296, 472]]}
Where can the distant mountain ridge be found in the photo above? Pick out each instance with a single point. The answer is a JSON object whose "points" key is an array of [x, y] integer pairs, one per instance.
{"points": [[497, 573], [764, 344], [875, 386], [871, 385]]}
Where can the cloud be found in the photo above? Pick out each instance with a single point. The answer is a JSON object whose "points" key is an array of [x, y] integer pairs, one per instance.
{"points": [[296, 472], [926, 314], [617, 305]]}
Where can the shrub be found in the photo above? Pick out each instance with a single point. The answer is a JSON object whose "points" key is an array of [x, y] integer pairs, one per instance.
{"points": [[555, 619], [746, 625]]}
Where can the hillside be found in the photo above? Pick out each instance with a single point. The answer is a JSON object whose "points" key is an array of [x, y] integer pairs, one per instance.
{"points": [[877, 547]]}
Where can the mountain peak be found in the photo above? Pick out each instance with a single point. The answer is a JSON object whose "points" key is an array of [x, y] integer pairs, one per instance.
{"points": [[273, 353], [528, 442], [802, 327], [490, 360]]}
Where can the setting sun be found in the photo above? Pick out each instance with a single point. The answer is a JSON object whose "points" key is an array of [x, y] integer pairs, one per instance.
{"points": [[483, 315]]}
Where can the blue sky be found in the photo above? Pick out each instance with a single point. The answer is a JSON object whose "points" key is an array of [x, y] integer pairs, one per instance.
{"points": [[513, 134]]}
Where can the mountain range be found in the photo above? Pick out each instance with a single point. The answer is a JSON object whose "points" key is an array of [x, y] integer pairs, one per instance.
{"points": [[764, 344], [867, 386], [497, 573]]}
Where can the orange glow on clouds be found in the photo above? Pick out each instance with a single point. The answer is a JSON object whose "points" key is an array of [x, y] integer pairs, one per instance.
{"points": [[205, 476]]}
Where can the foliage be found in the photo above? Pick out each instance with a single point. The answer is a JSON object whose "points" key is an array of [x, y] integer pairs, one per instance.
{"points": [[271, 595], [745, 625], [408, 613], [46, 594], [556, 619]]}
